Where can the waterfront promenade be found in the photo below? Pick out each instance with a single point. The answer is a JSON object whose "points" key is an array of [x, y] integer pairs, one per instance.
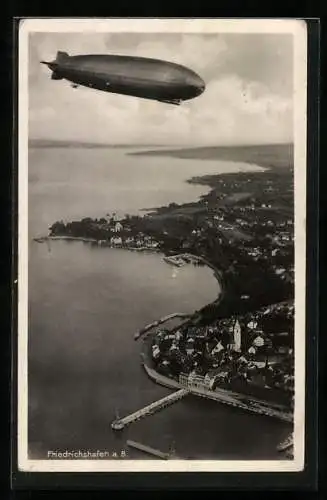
{"points": [[242, 402], [237, 400]]}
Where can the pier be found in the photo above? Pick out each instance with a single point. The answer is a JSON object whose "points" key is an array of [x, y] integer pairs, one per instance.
{"points": [[119, 424], [149, 450]]}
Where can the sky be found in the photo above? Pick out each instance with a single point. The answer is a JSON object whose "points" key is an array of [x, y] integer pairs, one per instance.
{"points": [[248, 97]]}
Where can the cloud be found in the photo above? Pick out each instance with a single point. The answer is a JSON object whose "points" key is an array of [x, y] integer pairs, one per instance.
{"points": [[248, 96]]}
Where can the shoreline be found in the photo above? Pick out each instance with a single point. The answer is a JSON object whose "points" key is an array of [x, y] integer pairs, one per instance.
{"points": [[239, 400], [218, 274], [43, 239], [261, 155], [189, 316]]}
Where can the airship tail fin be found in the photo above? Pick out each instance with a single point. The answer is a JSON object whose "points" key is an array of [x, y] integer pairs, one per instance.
{"points": [[61, 56]]}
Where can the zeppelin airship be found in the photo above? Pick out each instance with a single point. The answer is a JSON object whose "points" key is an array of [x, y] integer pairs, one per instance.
{"points": [[134, 76]]}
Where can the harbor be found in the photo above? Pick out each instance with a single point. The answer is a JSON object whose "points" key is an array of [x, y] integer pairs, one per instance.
{"points": [[222, 396], [226, 397]]}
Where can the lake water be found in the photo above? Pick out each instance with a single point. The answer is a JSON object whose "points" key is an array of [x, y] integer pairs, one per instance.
{"points": [[86, 302], [70, 183]]}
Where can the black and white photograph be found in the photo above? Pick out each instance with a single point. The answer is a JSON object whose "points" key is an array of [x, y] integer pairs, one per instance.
{"points": [[162, 245]]}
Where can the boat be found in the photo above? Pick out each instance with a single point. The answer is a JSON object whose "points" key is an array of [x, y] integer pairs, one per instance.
{"points": [[286, 444], [289, 454], [42, 239]]}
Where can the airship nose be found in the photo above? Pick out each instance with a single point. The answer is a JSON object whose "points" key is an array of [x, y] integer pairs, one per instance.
{"points": [[201, 86], [197, 84]]}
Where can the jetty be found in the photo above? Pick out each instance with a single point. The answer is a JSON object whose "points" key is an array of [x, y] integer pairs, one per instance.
{"points": [[148, 449], [174, 260], [119, 424]]}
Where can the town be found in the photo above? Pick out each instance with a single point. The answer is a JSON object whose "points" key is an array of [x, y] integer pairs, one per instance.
{"points": [[250, 354], [244, 228]]}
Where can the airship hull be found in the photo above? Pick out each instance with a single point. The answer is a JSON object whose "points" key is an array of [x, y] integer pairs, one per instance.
{"points": [[134, 76]]}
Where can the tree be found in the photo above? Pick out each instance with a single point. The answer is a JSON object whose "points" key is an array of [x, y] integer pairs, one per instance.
{"points": [[58, 228]]}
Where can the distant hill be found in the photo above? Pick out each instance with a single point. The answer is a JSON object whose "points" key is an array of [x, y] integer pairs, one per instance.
{"points": [[270, 155], [53, 143]]}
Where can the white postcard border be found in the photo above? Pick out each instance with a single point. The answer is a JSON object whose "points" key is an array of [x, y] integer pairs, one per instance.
{"points": [[299, 30]]}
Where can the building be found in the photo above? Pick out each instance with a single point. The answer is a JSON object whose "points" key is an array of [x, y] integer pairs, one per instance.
{"points": [[252, 325], [237, 336], [178, 335], [190, 346], [129, 240], [116, 240], [218, 348], [118, 227], [155, 352], [258, 341], [195, 380], [209, 380]]}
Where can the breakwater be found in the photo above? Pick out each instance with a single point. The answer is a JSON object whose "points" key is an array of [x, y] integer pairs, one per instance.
{"points": [[149, 327], [120, 423], [148, 449]]}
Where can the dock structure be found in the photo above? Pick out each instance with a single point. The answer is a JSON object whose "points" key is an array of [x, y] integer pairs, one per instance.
{"points": [[119, 424], [148, 449], [221, 396], [242, 403]]}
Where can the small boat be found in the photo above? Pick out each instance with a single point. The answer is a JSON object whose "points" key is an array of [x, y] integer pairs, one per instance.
{"points": [[42, 239], [174, 274], [287, 443]]}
